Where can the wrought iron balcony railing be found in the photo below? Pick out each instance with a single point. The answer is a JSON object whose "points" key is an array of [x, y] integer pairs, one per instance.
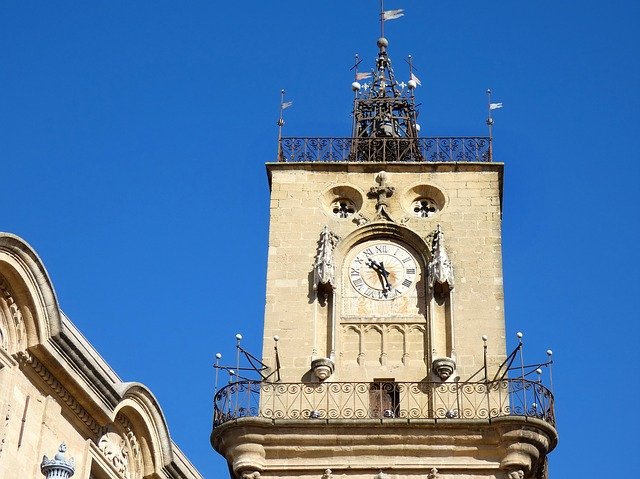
{"points": [[422, 400], [461, 149]]}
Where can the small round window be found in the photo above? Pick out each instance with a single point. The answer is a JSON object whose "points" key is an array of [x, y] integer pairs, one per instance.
{"points": [[424, 207], [343, 208]]}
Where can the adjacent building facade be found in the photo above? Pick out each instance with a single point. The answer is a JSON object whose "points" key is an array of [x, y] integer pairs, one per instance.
{"points": [[385, 299], [60, 399]]}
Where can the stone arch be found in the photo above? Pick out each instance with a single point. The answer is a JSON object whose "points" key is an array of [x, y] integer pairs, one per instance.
{"points": [[385, 230], [29, 313], [139, 417], [395, 342]]}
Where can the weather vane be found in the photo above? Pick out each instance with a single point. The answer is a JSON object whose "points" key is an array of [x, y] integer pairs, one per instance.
{"points": [[283, 106], [490, 108], [388, 15]]}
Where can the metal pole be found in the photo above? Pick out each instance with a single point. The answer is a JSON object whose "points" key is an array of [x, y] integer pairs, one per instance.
{"points": [[550, 354], [238, 339], [486, 376], [524, 390], [218, 357], [490, 125], [280, 124], [382, 18]]}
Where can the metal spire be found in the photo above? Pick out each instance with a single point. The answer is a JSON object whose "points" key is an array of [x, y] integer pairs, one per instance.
{"points": [[384, 109]]}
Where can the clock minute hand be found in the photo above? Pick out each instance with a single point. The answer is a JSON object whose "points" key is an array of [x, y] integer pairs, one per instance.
{"points": [[379, 267], [385, 275]]}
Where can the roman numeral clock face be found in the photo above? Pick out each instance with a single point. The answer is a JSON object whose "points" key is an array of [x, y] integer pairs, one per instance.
{"points": [[383, 271]]}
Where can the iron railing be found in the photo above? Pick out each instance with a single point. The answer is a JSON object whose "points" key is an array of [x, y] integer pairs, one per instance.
{"points": [[460, 149], [421, 400]]}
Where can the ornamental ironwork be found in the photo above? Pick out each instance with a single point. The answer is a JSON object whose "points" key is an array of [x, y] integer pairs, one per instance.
{"points": [[406, 400], [385, 150]]}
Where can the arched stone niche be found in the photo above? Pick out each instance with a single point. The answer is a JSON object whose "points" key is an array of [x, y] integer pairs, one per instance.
{"points": [[137, 441], [342, 201], [383, 336], [29, 313]]}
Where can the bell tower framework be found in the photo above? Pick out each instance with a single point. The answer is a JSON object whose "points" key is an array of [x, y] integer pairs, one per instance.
{"points": [[385, 297]]}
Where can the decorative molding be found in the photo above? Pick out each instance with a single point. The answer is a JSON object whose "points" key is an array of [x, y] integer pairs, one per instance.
{"points": [[26, 358], [440, 268], [433, 473], [519, 474], [328, 474], [251, 475], [5, 427], [324, 271], [114, 448], [16, 314], [135, 457], [381, 193], [360, 220], [383, 329]]}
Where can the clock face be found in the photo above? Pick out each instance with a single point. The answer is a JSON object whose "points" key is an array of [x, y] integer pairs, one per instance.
{"points": [[383, 271]]}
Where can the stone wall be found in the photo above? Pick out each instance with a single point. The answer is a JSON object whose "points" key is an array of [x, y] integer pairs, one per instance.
{"points": [[398, 342]]}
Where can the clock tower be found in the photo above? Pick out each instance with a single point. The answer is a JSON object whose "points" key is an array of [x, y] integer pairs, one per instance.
{"points": [[385, 297]]}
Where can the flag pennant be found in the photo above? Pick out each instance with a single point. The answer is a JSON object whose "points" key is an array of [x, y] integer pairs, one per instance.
{"points": [[287, 105], [392, 14], [363, 75], [495, 106], [416, 79]]}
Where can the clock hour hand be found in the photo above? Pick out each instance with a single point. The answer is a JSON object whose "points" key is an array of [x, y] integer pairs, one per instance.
{"points": [[384, 274]]}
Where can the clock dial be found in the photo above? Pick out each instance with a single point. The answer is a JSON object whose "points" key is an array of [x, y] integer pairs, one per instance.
{"points": [[383, 271]]}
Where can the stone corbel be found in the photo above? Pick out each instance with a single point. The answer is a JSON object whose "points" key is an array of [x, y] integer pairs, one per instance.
{"points": [[248, 460], [524, 449], [517, 474], [322, 368], [443, 367]]}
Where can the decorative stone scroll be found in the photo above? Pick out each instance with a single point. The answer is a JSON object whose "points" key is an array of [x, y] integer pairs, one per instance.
{"points": [[440, 268], [121, 448], [114, 448], [324, 270]]}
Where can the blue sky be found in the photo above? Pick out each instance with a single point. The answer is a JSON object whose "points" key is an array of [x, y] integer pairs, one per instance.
{"points": [[133, 137]]}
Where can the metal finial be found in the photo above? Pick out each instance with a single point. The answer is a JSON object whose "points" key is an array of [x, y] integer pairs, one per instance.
{"points": [[59, 467]]}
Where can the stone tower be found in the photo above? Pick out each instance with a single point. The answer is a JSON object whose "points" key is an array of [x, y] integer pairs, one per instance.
{"points": [[385, 297]]}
